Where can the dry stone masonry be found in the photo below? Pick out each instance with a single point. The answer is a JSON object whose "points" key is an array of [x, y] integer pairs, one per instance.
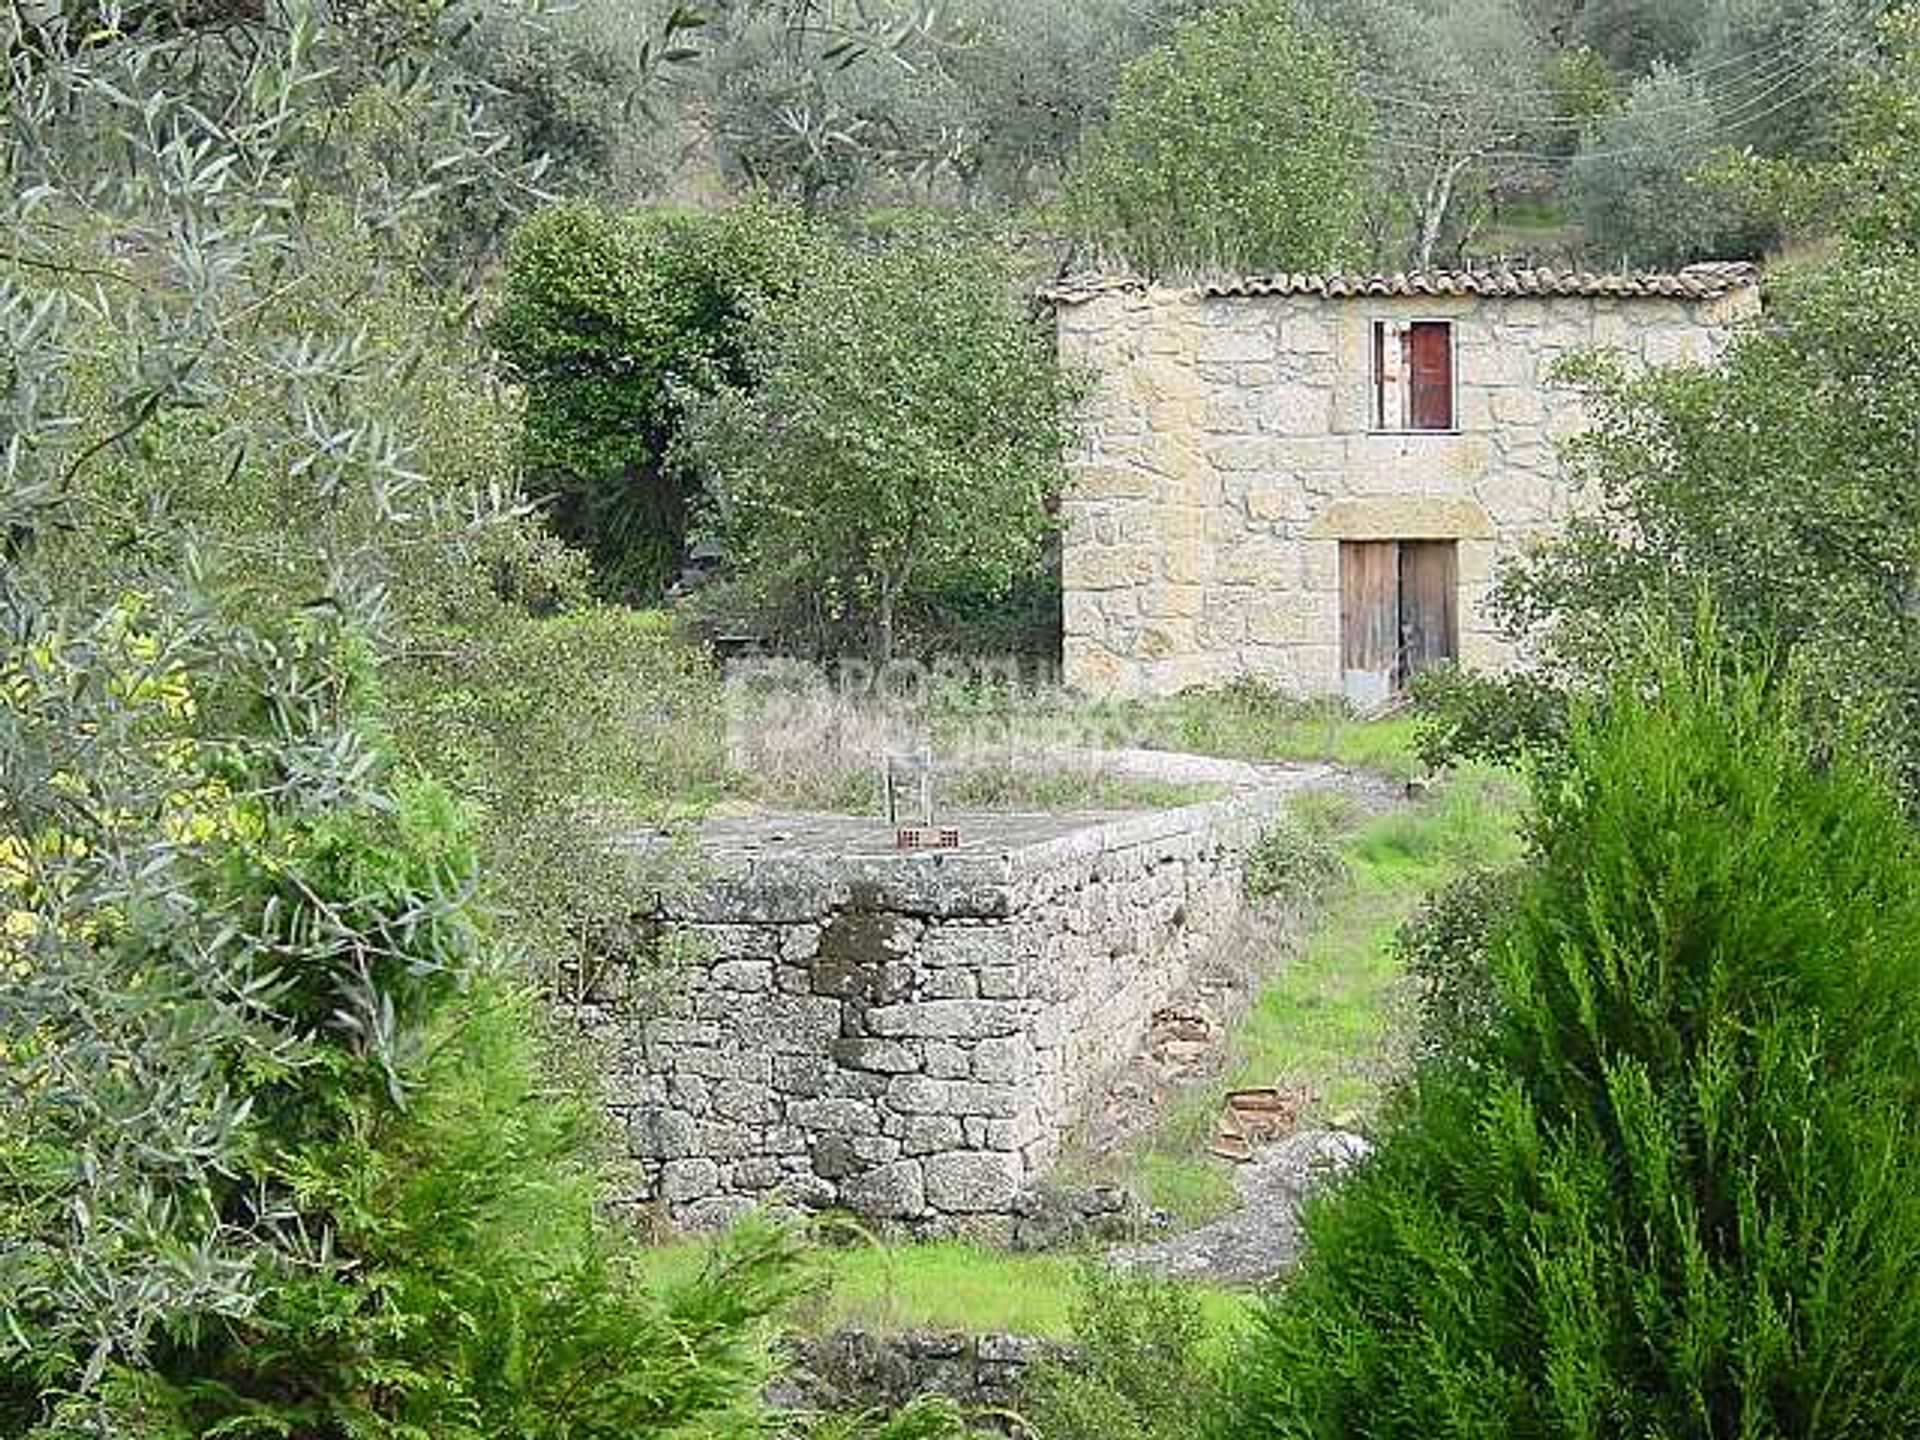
{"points": [[1232, 446], [907, 1036]]}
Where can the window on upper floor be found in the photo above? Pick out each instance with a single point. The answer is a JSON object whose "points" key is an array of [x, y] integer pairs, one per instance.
{"points": [[1413, 375]]}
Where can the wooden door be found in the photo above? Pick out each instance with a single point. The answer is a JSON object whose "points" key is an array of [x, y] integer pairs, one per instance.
{"points": [[1369, 621], [1429, 605]]}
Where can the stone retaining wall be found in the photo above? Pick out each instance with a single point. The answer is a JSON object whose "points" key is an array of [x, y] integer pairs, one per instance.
{"points": [[859, 1372], [909, 1036]]}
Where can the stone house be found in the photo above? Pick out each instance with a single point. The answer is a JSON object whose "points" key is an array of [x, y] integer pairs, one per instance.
{"points": [[1311, 479]]}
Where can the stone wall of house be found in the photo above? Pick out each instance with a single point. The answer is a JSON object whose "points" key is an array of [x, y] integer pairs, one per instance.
{"points": [[909, 1036], [1228, 453]]}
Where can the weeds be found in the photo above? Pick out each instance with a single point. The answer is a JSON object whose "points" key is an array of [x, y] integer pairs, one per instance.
{"points": [[1337, 1022], [1291, 865]]}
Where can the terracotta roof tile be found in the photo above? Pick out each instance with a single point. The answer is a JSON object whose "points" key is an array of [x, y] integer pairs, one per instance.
{"points": [[1696, 282]]}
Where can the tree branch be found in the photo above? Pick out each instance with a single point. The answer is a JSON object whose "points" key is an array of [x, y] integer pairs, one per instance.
{"points": [[64, 267]]}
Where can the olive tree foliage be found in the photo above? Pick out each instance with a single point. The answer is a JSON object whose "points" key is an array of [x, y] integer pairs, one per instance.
{"points": [[1636, 35], [900, 429], [963, 103], [276, 1154], [1779, 69], [1866, 181], [1462, 96], [1039, 78], [1237, 144], [1649, 188], [819, 113], [1660, 181]]}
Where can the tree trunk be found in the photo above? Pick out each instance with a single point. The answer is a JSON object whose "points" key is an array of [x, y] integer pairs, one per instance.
{"points": [[1433, 211], [883, 622]]}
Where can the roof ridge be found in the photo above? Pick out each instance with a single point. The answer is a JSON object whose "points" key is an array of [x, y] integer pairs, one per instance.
{"points": [[1702, 280]]}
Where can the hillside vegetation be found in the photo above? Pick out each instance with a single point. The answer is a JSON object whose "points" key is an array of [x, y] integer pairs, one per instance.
{"points": [[372, 375]]}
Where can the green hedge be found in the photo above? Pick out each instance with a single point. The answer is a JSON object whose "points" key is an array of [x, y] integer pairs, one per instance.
{"points": [[1674, 1189], [609, 319]]}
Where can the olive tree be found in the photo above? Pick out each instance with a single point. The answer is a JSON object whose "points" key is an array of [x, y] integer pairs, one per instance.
{"points": [[1036, 79], [1645, 187], [278, 1152], [1236, 144], [901, 428], [1459, 90]]}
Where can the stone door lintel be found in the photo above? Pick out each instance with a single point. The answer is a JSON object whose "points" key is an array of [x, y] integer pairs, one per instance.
{"points": [[1402, 518]]}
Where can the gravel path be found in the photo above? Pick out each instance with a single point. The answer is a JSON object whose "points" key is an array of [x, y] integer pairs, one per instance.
{"points": [[1374, 792], [1263, 1238]]}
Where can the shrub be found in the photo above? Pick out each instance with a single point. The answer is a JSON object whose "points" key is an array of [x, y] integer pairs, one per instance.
{"points": [[1751, 489], [1776, 488], [1498, 719], [280, 1153], [1448, 950], [1144, 1372], [898, 433], [1676, 1191], [612, 322], [1290, 863], [1237, 144], [552, 770]]}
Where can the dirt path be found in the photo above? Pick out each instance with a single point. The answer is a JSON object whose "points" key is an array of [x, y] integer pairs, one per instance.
{"points": [[1262, 1239], [1187, 1046]]}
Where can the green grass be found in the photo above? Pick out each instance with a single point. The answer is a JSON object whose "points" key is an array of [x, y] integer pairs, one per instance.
{"points": [[1331, 1022], [1246, 721], [940, 1285], [1173, 1175]]}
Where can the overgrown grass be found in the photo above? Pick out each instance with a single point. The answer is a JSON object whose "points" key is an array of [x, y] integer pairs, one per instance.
{"points": [[1248, 721], [1332, 1024], [797, 742], [1070, 789], [940, 1285]]}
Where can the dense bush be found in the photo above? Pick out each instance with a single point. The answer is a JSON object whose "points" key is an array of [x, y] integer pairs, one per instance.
{"points": [[280, 1155], [1291, 863], [1146, 1369], [1645, 187], [1464, 714], [1779, 488], [1237, 144], [612, 322], [281, 1149], [899, 433], [1776, 489], [1447, 948], [553, 771], [1675, 1190]]}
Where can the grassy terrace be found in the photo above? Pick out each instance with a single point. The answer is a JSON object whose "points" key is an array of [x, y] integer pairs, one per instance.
{"points": [[940, 1285], [1250, 722], [1332, 1023], [797, 745]]}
